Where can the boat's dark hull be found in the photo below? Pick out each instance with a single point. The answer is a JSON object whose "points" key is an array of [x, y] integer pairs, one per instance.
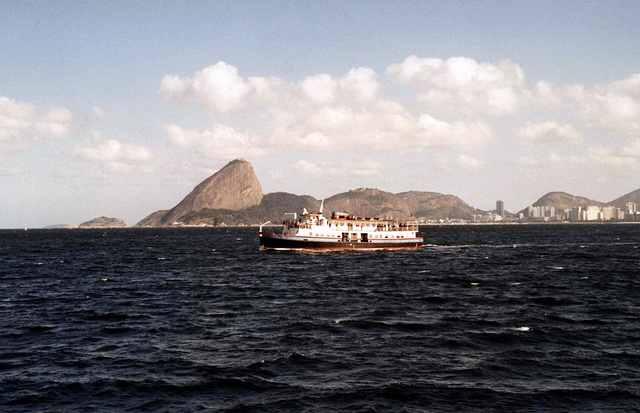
{"points": [[273, 241]]}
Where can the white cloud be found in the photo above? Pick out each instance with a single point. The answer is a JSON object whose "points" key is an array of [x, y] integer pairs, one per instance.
{"points": [[366, 167], [100, 114], [460, 84], [116, 156], [600, 155], [360, 84], [319, 112], [319, 89], [53, 124], [469, 162], [614, 107], [437, 133], [217, 87], [462, 161], [20, 125], [314, 169], [13, 171], [548, 132], [633, 149], [221, 142], [362, 168], [551, 159]]}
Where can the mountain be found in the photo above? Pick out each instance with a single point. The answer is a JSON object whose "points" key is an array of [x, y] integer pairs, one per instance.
{"points": [[630, 197], [272, 207], [434, 206], [233, 196], [103, 222], [422, 205], [234, 187], [562, 200], [369, 202], [152, 220], [362, 202]]}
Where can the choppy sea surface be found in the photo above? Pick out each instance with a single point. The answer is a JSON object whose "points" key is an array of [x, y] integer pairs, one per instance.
{"points": [[483, 318]]}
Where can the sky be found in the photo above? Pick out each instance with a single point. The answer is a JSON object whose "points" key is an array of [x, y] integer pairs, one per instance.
{"points": [[120, 108]]}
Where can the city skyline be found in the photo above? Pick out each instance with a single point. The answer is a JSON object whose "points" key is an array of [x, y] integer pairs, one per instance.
{"points": [[120, 109]]}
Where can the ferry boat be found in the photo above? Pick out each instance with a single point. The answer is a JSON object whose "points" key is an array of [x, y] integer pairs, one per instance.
{"points": [[341, 231]]}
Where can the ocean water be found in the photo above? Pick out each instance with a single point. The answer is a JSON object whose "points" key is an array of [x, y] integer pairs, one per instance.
{"points": [[483, 318]]}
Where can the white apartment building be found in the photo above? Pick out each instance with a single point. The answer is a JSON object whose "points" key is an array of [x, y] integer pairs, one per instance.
{"points": [[611, 212]]}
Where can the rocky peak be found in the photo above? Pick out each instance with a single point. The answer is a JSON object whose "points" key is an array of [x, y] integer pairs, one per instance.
{"points": [[233, 187]]}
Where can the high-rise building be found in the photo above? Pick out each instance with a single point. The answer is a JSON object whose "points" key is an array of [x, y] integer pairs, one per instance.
{"points": [[594, 213], [500, 208], [630, 207], [612, 212], [575, 214]]}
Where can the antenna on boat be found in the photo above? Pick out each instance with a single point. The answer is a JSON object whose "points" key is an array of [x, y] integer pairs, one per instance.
{"points": [[321, 206]]}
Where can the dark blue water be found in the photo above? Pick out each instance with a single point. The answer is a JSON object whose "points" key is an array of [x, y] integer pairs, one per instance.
{"points": [[483, 318]]}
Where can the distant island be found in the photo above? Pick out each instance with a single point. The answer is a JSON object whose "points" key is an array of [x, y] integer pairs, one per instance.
{"points": [[103, 222]]}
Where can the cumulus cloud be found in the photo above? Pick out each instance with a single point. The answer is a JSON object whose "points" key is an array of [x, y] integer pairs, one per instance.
{"points": [[319, 112], [624, 160], [315, 169], [220, 142], [460, 84], [53, 124], [461, 162], [437, 133], [319, 89], [600, 155], [548, 132], [115, 155], [363, 168], [21, 125], [469, 162], [217, 87], [614, 107]]}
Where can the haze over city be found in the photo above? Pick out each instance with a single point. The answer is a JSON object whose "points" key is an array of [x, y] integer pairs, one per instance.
{"points": [[121, 108]]}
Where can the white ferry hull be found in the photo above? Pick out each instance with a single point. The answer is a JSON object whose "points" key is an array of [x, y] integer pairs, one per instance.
{"points": [[269, 240]]}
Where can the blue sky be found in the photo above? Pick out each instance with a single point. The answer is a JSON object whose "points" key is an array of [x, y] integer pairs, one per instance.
{"points": [[121, 108]]}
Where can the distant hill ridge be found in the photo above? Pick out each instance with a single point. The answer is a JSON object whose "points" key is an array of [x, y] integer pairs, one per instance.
{"points": [[233, 196], [103, 222], [563, 200]]}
